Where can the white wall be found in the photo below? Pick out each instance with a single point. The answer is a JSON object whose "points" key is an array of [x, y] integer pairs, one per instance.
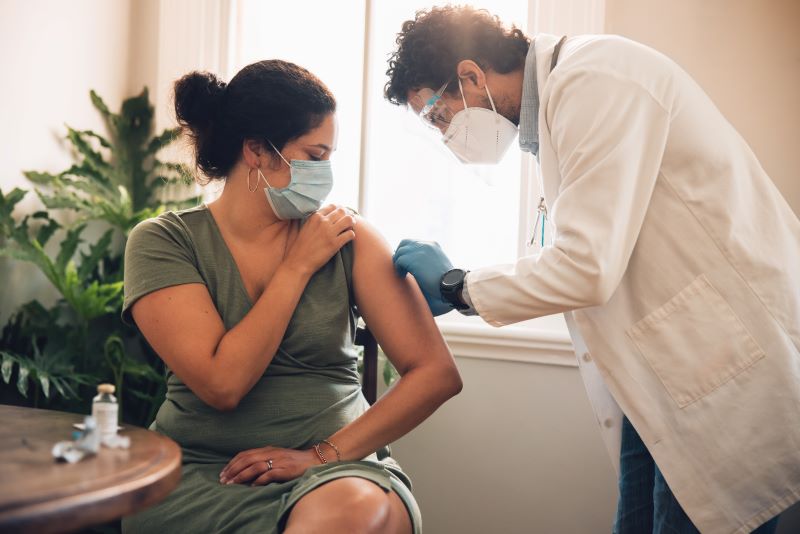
{"points": [[143, 44], [745, 54], [51, 55], [517, 452]]}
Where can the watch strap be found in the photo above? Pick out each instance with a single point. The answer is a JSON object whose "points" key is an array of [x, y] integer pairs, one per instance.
{"points": [[450, 292]]}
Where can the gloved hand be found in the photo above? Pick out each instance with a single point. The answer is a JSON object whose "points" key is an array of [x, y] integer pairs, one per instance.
{"points": [[427, 262]]}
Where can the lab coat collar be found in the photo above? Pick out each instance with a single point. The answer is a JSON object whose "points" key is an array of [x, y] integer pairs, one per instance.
{"points": [[537, 69]]}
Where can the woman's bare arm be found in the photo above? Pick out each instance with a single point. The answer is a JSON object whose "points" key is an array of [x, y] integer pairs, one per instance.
{"points": [[396, 313], [220, 367]]}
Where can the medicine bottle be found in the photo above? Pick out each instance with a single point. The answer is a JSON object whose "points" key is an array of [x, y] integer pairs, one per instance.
{"points": [[105, 410]]}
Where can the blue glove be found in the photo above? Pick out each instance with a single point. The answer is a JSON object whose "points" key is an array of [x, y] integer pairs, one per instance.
{"points": [[427, 262]]}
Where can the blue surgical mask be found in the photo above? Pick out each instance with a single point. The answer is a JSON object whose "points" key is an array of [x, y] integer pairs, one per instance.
{"points": [[311, 183]]}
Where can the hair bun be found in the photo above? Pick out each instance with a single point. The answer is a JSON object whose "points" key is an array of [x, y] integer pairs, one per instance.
{"points": [[197, 100]]}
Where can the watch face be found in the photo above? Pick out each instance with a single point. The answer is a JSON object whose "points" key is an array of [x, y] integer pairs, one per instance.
{"points": [[452, 278]]}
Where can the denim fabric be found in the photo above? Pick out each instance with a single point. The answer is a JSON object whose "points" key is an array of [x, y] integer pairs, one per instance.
{"points": [[646, 504]]}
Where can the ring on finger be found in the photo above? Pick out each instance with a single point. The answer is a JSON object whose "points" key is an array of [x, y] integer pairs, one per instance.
{"points": [[269, 465]]}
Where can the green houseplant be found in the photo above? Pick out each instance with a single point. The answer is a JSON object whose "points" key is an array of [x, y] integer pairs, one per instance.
{"points": [[54, 356]]}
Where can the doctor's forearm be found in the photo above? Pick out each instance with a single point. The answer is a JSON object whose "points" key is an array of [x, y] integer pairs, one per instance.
{"points": [[537, 286]]}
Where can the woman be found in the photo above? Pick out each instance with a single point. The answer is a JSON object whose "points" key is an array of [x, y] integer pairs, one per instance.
{"points": [[250, 301]]}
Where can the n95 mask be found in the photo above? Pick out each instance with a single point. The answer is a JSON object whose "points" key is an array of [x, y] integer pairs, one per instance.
{"points": [[479, 135]]}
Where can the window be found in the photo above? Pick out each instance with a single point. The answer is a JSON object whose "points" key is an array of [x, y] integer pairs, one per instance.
{"points": [[387, 164], [328, 41], [415, 187], [411, 186]]}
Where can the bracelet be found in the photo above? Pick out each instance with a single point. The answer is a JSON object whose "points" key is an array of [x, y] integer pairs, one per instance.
{"points": [[319, 453], [335, 449]]}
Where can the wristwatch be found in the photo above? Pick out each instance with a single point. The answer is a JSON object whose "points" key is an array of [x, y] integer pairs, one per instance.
{"points": [[450, 286]]}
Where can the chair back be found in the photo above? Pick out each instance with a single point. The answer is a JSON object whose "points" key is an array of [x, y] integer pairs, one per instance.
{"points": [[369, 380]]}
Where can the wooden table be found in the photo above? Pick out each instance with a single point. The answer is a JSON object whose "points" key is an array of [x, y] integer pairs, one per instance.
{"points": [[39, 495]]}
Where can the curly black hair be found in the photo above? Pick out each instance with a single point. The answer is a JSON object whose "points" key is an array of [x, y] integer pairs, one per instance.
{"points": [[430, 47]]}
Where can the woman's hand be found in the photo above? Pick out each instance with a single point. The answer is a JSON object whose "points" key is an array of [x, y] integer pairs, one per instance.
{"points": [[253, 466], [322, 235]]}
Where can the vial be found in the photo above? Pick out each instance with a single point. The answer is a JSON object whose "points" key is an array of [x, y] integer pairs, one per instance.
{"points": [[105, 410]]}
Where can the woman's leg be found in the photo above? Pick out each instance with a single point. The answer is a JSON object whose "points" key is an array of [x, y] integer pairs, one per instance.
{"points": [[349, 505], [636, 472]]}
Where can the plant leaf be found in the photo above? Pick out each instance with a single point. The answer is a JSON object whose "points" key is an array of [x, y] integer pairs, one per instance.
{"points": [[60, 386], [102, 140], [62, 201], [7, 367], [99, 104], [390, 374], [114, 350], [140, 369], [44, 380], [92, 157], [41, 178], [95, 300], [91, 188], [68, 246], [8, 201], [96, 253], [47, 231], [13, 197], [174, 170], [140, 395], [88, 271], [102, 179], [22, 379], [20, 254], [161, 140], [31, 251]]}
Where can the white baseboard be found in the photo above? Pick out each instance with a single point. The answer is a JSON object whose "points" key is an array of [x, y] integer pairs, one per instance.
{"points": [[515, 344]]}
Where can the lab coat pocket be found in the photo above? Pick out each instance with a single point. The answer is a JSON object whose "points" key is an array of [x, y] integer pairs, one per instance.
{"points": [[695, 343]]}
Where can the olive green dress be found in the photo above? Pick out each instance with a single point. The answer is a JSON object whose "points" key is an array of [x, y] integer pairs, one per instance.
{"points": [[309, 391]]}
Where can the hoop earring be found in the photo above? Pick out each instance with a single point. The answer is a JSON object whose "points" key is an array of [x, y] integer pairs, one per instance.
{"points": [[251, 189]]}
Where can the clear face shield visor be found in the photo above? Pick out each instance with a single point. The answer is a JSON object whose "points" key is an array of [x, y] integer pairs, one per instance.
{"points": [[433, 111]]}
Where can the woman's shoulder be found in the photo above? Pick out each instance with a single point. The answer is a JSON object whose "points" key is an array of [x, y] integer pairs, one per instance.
{"points": [[174, 219], [174, 227], [369, 243], [159, 253]]}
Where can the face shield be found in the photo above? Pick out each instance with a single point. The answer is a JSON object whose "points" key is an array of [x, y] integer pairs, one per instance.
{"points": [[432, 110], [475, 135]]}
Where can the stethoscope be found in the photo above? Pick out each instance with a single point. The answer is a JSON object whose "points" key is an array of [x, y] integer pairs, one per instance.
{"points": [[541, 217]]}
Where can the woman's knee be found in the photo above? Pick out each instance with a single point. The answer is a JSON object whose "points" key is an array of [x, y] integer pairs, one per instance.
{"points": [[344, 505], [365, 504]]}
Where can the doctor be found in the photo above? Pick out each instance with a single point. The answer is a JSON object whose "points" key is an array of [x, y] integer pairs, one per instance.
{"points": [[673, 256]]}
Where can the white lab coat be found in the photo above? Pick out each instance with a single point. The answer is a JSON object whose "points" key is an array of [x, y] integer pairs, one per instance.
{"points": [[678, 264]]}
